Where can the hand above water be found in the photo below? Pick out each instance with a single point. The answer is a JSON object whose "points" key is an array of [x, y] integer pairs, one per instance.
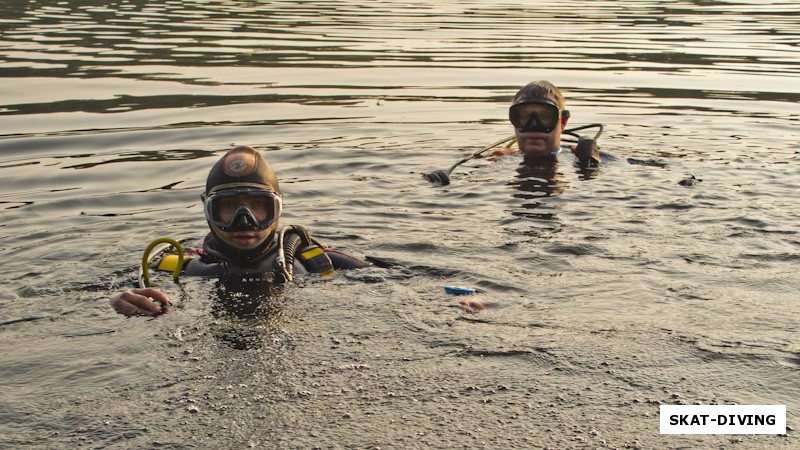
{"points": [[471, 306], [503, 151], [140, 302]]}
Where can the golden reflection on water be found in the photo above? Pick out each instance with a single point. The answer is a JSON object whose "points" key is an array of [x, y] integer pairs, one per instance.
{"points": [[607, 294]]}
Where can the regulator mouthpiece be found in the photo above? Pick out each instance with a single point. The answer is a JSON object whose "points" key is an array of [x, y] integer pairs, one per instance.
{"points": [[439, 177]]}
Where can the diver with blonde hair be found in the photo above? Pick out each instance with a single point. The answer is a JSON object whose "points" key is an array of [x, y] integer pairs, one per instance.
{"points": [[539, 116]]}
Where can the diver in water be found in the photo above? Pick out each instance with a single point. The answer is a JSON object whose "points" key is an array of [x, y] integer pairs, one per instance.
{"points": [[538, 113], [242, 203], [539, 118]]}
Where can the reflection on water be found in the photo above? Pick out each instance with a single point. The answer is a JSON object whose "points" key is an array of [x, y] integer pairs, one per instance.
{"points": [[247, 309], [231, 34], [537, 179], [249, 297], [609, 292], [122, 59]]}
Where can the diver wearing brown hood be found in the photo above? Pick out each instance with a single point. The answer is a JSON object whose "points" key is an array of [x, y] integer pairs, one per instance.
{"points": [[242, 202]]}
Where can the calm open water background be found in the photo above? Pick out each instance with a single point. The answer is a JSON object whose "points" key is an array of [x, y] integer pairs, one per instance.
{"points": [[607, 296]]}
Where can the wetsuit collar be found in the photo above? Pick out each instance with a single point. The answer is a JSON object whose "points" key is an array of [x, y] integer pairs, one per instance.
{"points": [[209, 245]]}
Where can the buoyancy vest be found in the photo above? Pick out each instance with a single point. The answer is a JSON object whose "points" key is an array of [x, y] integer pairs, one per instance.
{"points": [[293, 252]]}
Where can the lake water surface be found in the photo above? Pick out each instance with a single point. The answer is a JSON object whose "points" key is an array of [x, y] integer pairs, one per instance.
{"points": [[608, 295]]}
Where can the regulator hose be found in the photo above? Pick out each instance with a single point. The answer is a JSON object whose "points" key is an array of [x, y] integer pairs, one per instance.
{"points": [[144, 274], [442, 177], [290, 246]]}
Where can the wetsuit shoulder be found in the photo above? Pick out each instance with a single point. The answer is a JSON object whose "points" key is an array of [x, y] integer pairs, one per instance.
{"points": [[343, 261]]}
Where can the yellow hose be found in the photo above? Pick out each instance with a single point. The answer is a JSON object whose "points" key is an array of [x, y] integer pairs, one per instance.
{"points": [[146, 259]]}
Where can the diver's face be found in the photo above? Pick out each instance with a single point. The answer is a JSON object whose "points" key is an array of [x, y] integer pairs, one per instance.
{"points": [[243, 218], [538, 144], [245, 239], [227, 208]]}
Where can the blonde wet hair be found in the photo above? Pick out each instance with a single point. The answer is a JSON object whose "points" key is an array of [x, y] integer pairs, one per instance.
{"points": [[538, 89]]}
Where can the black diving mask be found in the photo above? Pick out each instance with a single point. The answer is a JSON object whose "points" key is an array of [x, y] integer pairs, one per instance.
{"points": [[242, 209], [539, 115]]}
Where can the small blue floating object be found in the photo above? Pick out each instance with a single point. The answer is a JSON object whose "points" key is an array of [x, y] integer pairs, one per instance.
{"points": [[458, 290]]}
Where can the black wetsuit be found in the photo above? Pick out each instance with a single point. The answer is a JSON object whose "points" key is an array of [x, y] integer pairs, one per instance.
{"points": [[312, 258]]}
